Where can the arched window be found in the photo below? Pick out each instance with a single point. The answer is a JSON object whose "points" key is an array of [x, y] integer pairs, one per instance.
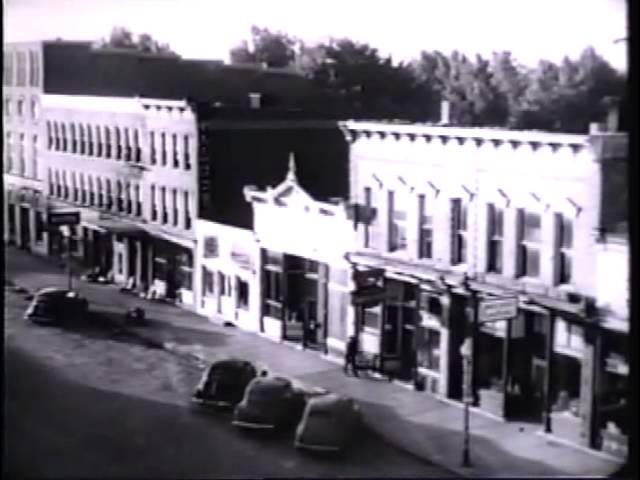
{"points": [[63, 135], [74, 140], [107, 142]]}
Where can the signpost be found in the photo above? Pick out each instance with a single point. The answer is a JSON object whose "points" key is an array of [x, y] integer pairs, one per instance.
{"points": [[62, 221]]}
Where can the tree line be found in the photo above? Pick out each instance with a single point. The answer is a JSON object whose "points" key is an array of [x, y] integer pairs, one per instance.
{"points": [[496, 91]]}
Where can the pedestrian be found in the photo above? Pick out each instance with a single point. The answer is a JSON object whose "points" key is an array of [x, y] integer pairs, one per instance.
{"points": [[350, 356]]}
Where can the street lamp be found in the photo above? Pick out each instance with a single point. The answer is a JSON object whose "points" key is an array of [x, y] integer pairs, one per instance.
{"points": [[466, 351]]}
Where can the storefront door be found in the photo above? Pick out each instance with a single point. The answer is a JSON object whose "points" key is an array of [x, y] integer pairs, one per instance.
{"points": [[25, 231]]}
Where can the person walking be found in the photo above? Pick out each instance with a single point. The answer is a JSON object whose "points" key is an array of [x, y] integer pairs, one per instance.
{"points": [[350, 356]]}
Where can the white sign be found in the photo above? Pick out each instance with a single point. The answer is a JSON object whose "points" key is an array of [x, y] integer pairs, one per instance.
{"points": [[495, 309]]}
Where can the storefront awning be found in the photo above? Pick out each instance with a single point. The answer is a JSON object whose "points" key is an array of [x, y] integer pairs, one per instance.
{"points": [[154, 231], [120, 227]]}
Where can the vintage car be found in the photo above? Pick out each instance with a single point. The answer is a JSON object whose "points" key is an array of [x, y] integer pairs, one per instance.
{"points": [[223, 384], [57, 305], [329, 423], [270, 403]]}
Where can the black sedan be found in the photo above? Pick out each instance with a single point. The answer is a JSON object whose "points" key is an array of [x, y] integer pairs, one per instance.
{"points": [[223, 384], [270, 403], [57, 305]]}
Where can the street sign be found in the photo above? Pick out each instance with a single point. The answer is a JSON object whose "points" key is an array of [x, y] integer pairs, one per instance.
{"points": [[494, 309], [56, 219]]}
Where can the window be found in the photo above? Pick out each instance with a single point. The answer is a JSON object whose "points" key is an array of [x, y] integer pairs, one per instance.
{"points": [[495, 229], [372, 317], [187, 214], [90, 146], [242, 294], [185, 271], [137, 152], [207, 282], [211, 249], [7, 106], [34, 109], [187, 156], [368, 205], [49, 135], [74, 187], [152, 145], [163, 148], [57, 134], [564, 245], [174, 146], [83, 190], [428, 348], [58, 185], [222, 284], [120, 196], [138, 211], [272, 292], [20, 108], [458, 231], [100, 192], [127, 146], [118, 142], [425, 233], [34, 156], [63, 134], [34, 68], [120, 263], [529, 237], [109, 194], [22, 162], [21, 69], [9, 153], [8, 68], [83, 144], [107, 142], [128, 195], [397, 225], [154, 210], [99, 148], [174, 202], [92, 193], [74, 140], [163, 200]]}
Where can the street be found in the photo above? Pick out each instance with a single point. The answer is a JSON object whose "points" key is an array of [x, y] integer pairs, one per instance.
{"points": [[91, 403]]}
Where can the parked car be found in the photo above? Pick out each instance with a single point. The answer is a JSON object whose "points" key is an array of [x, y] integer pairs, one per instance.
{"points": [[223, 384], [270, 403], [57, 305], [329, 423]]}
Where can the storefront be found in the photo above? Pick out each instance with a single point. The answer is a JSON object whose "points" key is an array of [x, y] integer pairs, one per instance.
{"points": [[226, 274]]}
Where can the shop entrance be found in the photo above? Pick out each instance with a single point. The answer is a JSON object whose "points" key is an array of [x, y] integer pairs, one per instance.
{"points": [[398, 351], [25, 231]]}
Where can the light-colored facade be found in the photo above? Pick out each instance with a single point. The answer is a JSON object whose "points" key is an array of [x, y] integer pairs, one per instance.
{"points": [[128, 165], [227, 274], [305, 280], [449, 218]]}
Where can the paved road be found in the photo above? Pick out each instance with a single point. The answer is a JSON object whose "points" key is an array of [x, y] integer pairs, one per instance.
{"points": [[85, 402]]}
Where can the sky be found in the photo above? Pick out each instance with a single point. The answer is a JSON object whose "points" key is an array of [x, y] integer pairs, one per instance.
{"points": [[530, 29]]}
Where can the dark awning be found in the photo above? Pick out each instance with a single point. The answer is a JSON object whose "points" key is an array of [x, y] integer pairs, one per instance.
{"points": [[121, 227]]}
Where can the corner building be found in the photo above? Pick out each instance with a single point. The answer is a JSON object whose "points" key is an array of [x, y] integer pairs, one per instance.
{"points": [[448, 218]]}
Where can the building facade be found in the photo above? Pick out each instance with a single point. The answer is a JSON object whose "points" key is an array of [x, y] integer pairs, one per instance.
{"points": [[305, 284], [128, 165], [450, 219]]}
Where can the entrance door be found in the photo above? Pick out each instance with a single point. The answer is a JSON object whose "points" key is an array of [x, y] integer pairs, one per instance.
{"points": [[538, 371], [133, 260], [407, 344], [25, 231], [391, 334]]}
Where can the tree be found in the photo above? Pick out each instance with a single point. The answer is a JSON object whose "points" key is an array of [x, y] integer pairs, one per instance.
{"points": [[120, 37], [274, 49]]}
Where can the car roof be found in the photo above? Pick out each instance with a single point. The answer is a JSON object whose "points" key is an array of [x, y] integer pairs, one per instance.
{"points": [[52, 291], [231, 363], [330, 402], [270, 384]]}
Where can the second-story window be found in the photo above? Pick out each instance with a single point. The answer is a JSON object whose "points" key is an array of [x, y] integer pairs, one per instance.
{"points": [[49, 135], [187, 152], [58, 183], [128, 193], [22, 163], [75, 192], [127, 146], [529, 234], [65, 186], [397, 224], [63, 134], [425, 225], [57, 142], [107, 142], [163, 201], [163, 148], [92, 193], [458, 231], [174, 203], [118, 141], [564, 246], [120, 195], [109, 192], [98, 138], [74, 139], [138, 211], [154, 208], [152, 147], [83, 190], [174, 147], [137, 152], [495, 233], [83, 139], [187, 213], [100, 192], [90, 145], [20, 107]]}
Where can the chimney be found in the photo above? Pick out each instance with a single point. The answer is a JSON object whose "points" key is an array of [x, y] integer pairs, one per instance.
{"points": [[445, 112], [254, 100]]}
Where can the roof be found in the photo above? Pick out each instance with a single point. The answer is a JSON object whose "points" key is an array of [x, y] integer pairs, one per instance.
{"points": [[328, 403], [270, 384]]}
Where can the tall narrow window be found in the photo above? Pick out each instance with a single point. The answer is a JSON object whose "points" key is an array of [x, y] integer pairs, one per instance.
{"points": [[425, 233], [174, 147], [107, 142], [458, 231], [22, 165], [154, 209], [529, 234], [367, 204], [397, 225], [65, 186], [100, 192], [152, 146], [58, 182], [74, 187], [99, 149], [495, 229], [109, 192], [138, 211], [83, 190], [92, 193], [34, 156], [129, 199], [137, 152], [74, 139], [564, 245], [57, 136], [187, 213], [163, 200], [83, 144], [163, 148], [49, 135], [50, 182], [118, 141], [120, 195], [174, 203], [90, 146], [127, 145], [187, 153]]}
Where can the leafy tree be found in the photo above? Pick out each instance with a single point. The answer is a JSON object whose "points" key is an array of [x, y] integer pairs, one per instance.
{"points": [[274, 49], [120, 37]]}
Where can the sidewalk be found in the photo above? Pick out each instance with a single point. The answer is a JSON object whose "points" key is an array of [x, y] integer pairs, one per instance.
{"points": [[417, 422]]}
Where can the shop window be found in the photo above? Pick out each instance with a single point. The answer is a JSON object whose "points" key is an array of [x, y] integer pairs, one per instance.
{"points": [[40, 227], [529, 233], [185, 271], [372, 317], [564, 246], [566, 384], [242, 292], [207, 282], [160, 269], [428, 348], [425, 234], [272, 294], [397, 225], [495, 228], [458, 231]]}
